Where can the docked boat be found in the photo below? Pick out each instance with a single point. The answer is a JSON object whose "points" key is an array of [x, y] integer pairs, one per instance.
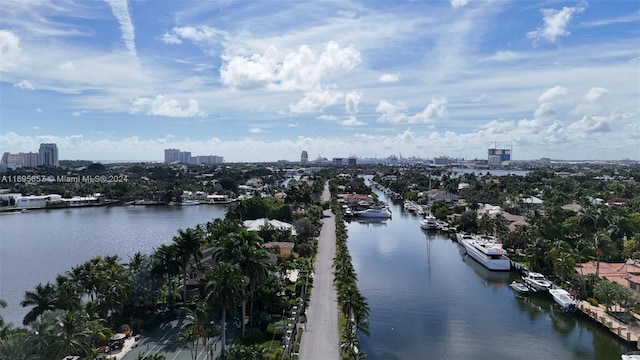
{"points": [[632, 355], [487, 251], [374, 213], [189, 203], [429, 222], [519, 287], [563, 298], [537, 281]]}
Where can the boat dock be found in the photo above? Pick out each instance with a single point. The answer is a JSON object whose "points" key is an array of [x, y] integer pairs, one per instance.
{"points": [[629, 333]]}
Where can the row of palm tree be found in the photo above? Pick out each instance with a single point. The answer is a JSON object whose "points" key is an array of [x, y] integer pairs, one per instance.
{"points": [[352, 304]]}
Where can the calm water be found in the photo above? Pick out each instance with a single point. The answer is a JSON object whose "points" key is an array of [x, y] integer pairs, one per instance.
{"points": [[429, 301], [37, 246]]}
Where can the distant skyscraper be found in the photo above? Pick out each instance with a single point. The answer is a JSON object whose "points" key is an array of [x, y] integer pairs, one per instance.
{"points": [[304, 158], [48, 155], [171, 156]]}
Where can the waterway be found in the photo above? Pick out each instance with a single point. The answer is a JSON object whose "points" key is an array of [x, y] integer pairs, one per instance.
{"points": [[37, 246], [428, 300]]}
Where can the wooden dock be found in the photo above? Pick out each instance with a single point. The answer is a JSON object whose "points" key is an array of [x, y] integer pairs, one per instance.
{"points": [[629, 333]]}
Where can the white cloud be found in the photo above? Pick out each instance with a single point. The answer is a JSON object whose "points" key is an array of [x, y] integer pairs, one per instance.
{"points": [[351, 102], [258, 71], [555, 24], [120, 9], [199, 34], [596, 93], [352, 121], [552, 94], [293, 125], [10, 51], [389, 78], [458, 3], [396, 113], [171, 39], [301, 70], [255, 130], [165, 106], [327, 117], [591, 124], [24, 85], [316, 101], [501, 56], [545, 110]]}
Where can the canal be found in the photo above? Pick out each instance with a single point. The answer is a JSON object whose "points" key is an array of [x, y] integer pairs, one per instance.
{"points": [[428, 300]]}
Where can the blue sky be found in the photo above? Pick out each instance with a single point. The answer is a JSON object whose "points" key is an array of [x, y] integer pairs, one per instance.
{"points": [[264, 80]]}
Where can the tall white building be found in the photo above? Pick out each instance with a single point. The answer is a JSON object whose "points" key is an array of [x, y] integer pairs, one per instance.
{"points": [[48, 155]]}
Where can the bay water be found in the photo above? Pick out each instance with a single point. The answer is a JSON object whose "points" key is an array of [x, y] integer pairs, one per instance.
{"points": [[38, 245]]}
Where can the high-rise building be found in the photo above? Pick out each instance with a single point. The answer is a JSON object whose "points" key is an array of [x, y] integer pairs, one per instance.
{"points": [[29, 159], [352, 161], [304, 158], [497, 156], [184, 157], [48, 155], [171, 156]]}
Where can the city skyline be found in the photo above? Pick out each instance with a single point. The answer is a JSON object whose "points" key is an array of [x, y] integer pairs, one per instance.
{"points": [[255, 81]]}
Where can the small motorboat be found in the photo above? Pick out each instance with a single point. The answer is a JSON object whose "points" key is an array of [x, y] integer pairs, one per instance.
{"points": [[519, 287], [563, 299]]}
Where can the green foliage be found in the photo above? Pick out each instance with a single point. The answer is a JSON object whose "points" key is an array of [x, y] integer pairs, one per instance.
{"points": [[592, 301]]}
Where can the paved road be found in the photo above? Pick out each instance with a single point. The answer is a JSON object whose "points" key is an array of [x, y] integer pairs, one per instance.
{"points": [[320, 339]]}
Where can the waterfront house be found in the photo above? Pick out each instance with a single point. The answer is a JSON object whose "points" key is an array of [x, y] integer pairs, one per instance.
{"points": [[37, 201], [257, 224], [626, 274]]}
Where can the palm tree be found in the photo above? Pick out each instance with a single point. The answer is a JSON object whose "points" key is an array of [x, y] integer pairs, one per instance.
{"points": [[16, 347], [166, 264], [42, 299], [253, 262], [224, 289], [154, 356], [3, 304], [69, 335], [188, 246]]}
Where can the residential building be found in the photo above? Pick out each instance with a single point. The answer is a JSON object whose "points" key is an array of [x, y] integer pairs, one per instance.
{"points": [[48, 155], [171, 156], [304, 158], [29, 159]]}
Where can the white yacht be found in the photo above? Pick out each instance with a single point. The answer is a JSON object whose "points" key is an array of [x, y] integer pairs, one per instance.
{"points": [[429, 222], [487, 251], [537, 281], [374, 213], [563, 298]]}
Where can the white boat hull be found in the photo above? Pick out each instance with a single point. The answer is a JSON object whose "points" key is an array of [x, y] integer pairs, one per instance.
{"points": [[501, 264], [563, 299]]}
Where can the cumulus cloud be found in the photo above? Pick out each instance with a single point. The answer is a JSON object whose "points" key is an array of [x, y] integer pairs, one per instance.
{"points": [[255, 130], [315, 101], [545, 110], [352, 121], [352, 100], [67, 66], [396, 113], [555, 24], [195, 34], [301, 70], [24, 85], [389, 78], [596, 93], [10, 51], [165, 106], [458, 3], [591, 124], [171, 39], [553, 94], [120, 9]]}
